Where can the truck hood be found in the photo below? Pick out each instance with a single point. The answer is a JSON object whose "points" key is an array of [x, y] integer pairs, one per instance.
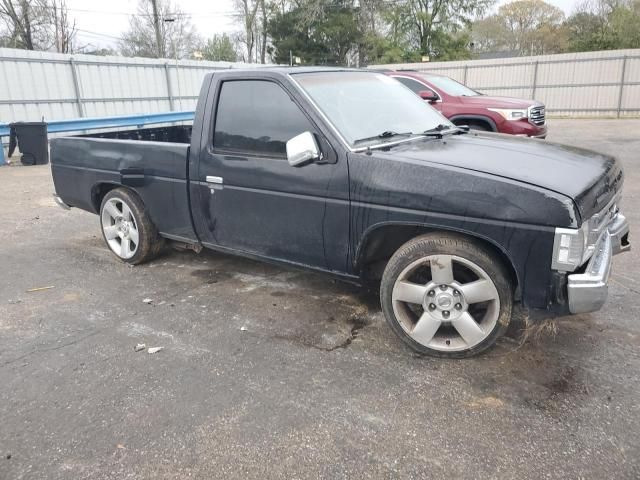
{"points": [[590, 179], [498, 102]]}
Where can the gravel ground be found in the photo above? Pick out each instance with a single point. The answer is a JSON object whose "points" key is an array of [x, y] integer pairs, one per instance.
{"points": [[275, 373]]}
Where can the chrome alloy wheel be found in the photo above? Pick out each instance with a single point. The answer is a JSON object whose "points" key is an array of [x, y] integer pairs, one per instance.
{"points": [[446, 302], [120, 228]]}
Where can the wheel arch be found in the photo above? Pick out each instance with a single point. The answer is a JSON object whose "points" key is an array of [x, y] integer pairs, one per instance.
{"points": [[99, 191], [488, 121], [380, 241]]}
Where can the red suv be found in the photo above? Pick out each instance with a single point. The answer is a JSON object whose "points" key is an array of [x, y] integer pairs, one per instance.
{"points": [[464, 106]]}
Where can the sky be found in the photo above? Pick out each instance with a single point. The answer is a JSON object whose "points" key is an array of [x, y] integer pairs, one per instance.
{"points": [[100, 23]]}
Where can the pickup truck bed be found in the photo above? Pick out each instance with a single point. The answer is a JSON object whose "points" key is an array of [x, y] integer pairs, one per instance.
{"points": [[154, 161], [172, 134]]}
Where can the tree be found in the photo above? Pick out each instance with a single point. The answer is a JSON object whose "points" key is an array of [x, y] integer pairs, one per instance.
{"points": [[389, 38], [625, 24], [587, 32], [24, 22], [263, 31], [533, 26], [247, 12], [357, 32], [101, 52], [37, 25], [604, 25], [322, 33], [451, 46], [529, 27], [220, 48], [159, 29], [62, 28], [434, 21], [489, 34]]}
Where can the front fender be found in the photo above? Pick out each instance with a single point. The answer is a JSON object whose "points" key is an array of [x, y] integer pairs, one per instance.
{"points": [[398, 233]]}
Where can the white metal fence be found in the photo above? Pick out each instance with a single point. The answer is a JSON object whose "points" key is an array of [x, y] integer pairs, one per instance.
{"points": [[605, 83], [57, 87]]}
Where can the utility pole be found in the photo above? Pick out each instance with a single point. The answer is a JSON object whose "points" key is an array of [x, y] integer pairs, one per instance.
{"points": [[156, 27], [175, 52]]}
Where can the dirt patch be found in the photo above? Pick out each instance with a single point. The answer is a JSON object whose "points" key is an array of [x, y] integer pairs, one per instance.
{"points": [[211, 276], [565, 386], [566, 382], [485, 402], [340, 334]]}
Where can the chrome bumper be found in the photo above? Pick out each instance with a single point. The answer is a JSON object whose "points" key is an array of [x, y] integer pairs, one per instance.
{"points": [[588, 291]]}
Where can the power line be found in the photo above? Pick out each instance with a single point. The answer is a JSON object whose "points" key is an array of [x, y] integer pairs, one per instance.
{"points": [[138, 14], [97, 34]]}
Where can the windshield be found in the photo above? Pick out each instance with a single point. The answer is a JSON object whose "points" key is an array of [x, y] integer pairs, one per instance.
{"points": [[450, 86], [369, 108]]}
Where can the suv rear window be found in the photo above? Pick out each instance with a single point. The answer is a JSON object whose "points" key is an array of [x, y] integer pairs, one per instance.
{"points": [[256, 117]]}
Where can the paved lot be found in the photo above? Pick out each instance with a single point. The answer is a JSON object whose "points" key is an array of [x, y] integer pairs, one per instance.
{"points": [[274, 373]]}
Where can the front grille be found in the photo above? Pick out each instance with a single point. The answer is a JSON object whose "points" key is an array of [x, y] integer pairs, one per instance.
{"points": [[536, 115]]}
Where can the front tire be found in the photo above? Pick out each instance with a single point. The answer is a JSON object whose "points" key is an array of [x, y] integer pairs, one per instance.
{"points": [[446, 295], [127, 228]]}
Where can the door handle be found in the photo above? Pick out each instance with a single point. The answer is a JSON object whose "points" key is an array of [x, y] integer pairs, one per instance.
{"points": [[216, 180]]}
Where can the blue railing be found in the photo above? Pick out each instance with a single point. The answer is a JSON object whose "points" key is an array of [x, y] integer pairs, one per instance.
{"points": [[80, 124]]}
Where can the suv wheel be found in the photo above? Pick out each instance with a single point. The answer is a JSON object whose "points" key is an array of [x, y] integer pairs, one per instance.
{"points": [[445, 295]]}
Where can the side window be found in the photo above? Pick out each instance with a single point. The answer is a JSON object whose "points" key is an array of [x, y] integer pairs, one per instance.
{"points": [[256, 116], [412, 84]]}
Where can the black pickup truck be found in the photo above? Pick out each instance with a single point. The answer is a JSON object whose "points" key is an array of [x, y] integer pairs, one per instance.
{"points": [[349, 173]]}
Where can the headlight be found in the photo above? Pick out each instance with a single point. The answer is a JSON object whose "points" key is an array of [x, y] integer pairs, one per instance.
{"points": [[511, 114], [570, 248]]}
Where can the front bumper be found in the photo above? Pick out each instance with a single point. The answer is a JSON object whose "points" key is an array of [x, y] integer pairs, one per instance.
{"points": [[588, 291], [522, 128]]}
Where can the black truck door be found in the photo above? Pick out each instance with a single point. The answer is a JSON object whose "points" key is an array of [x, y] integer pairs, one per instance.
{"points": [[250, 199]]}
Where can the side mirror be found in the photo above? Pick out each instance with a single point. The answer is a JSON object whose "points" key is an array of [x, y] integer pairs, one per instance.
{"points": [[428, 95], [302, 149]]}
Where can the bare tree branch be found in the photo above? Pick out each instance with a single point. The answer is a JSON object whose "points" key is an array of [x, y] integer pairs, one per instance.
{"points": [[61, 28], [159, 29]]}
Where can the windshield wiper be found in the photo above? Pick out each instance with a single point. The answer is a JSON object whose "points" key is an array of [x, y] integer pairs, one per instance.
{"points": [[438, 131], [385, 134], [443, 129]]}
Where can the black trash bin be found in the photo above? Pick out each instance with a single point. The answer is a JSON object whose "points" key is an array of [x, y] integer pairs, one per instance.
{"points": [[31, 138]]}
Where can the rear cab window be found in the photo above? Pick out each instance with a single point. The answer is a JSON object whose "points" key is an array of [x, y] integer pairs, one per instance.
{"points": [[256, 117]]}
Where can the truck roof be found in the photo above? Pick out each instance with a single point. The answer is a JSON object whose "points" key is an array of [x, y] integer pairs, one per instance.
{"points": [[288, 70]]}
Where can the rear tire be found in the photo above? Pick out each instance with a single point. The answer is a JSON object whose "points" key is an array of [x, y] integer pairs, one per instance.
{"points": [[127, 228], [446, 295]]}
